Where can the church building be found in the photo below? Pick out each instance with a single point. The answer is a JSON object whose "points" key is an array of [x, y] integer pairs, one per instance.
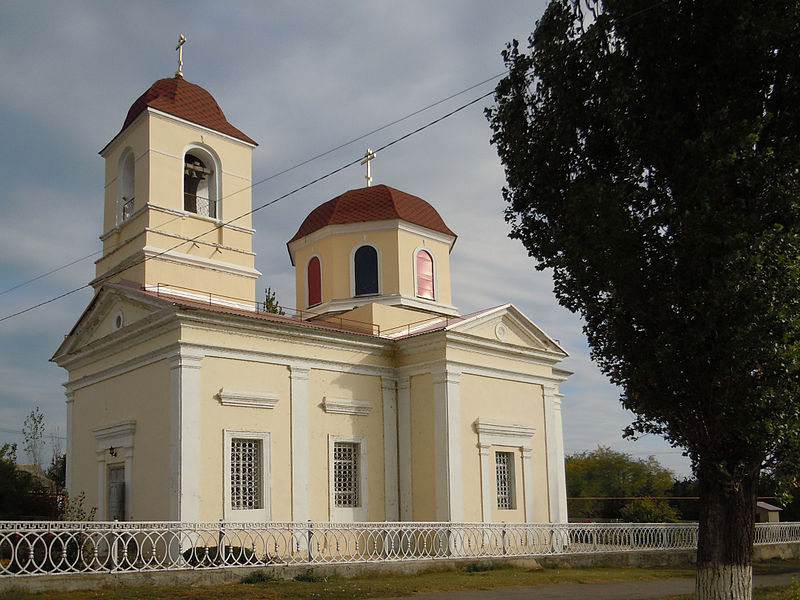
{"points": [[374, 400]]}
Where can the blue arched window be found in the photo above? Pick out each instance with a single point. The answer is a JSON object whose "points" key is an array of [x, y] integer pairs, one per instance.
{"points": [[366, 270]]}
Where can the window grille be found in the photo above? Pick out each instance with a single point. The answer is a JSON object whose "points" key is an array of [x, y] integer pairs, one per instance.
{"points": [[505, 480], [346, 492], [127, 208], [246, 474]]}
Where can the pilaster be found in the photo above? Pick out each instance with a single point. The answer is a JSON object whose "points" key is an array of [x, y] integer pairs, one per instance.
{"points": [[390, 453], [70, 401], [299, 419], [447, 445], [486, 482], [404, 447], [554, 436], [185, 447]]}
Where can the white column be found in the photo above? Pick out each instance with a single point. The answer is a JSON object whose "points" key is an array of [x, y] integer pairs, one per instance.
{"points": [[389, 393], [447, 445], [70, 401], [185, 446], [299, 408], [554, 440], [404, 447], [527, 482], [486, 482]]}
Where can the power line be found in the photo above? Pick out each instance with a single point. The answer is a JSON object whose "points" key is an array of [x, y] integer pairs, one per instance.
{"points": [[274, 175], [265, 205]]}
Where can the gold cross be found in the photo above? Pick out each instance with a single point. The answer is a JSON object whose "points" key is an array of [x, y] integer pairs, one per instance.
{"points": [[368, 156], [179, 48]]}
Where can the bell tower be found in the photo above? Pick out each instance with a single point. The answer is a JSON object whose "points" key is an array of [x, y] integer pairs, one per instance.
{"points": [[177, 199]]}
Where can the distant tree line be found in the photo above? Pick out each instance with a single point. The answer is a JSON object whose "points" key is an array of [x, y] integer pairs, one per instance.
{"points": [[604, 484]]}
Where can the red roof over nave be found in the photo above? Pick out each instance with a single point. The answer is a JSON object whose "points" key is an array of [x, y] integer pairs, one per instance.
{"points": [[375, 203], [185, 100]]}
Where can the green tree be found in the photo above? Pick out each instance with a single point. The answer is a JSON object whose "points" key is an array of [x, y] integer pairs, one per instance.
{"points": [[648, 510], [652, 154], [271, 303], [21, 495], [605, 473]]}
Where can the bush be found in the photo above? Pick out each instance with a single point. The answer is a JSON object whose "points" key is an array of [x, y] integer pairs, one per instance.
{"points": [[259, 577], [646, 510]]}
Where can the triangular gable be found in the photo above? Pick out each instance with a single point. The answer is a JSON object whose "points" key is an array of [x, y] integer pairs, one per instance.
{"points": [[507, 324], [100, 318]]}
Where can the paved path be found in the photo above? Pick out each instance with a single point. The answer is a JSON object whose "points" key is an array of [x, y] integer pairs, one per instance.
{"points": [[619, 590]]}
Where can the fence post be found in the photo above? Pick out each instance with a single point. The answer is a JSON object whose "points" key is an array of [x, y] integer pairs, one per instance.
{"points": [[221, 543], [309, 541]]}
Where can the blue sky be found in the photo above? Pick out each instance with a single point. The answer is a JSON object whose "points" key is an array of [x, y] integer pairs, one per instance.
{"points": [[300, 78]]}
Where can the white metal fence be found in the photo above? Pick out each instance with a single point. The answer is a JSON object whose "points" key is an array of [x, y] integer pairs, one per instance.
{"points": [[39, 548]]}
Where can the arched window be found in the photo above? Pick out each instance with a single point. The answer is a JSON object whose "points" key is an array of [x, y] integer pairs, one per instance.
{"points": [[366, 270], [314, 278], [199, 185], [126, 186], [424, 270]]}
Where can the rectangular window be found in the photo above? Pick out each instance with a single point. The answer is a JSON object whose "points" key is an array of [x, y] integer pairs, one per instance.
{"points": [[246, 474], [506, 497], [346, 473]]}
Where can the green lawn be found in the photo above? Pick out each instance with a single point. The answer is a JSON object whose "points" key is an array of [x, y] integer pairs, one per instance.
{"points": [[385, 585]]}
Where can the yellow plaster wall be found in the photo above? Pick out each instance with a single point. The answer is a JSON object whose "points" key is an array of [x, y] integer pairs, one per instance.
{"points": [[142, 395], [514, 336], [130, 314], [348, 386], [423, 474], [497, 362], [507, 402], [244, 376]]}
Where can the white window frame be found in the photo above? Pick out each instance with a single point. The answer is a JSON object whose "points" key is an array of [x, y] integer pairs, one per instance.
{"points": [[349, 514], [114, 447], [247, 515], [207, 155], [125, 176], [353, 270], [435, 268]]}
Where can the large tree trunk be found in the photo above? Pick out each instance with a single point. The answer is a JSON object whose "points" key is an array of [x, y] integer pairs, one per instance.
{"points": [[725, 544]]}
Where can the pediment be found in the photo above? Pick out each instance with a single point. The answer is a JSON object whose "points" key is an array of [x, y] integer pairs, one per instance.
{"points": [[111, 310], [507, 325]]}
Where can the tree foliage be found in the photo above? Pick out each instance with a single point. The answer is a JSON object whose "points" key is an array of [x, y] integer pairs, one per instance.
{"points": [[616, 476], [21, 495], [652, 153], [33, 430], [271, 303]]}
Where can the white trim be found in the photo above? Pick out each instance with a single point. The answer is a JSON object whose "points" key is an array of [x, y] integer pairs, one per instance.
{"points": [[493, 433], [299, 441], [367, 227], [168, 116], [390, 453], [190, 260], [346, 514], [229, 397], [121, 179], [379, 260], [70, 402], [174, 213], [249, 515], [120, 437], [346, 406], [434, 275], [339, 305]]}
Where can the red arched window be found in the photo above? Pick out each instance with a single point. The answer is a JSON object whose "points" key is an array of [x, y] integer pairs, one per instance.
{"points": [[424, 274], [314, 282]]}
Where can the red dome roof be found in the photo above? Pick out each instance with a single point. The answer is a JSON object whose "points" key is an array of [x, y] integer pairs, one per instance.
{"points": [[185, 100], [375, 203]]}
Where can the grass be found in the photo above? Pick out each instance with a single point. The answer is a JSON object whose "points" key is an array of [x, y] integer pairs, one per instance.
{"points": [[261, 586]]}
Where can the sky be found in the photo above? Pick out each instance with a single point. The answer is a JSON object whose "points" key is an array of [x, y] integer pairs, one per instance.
{"points": [[301, 78]]}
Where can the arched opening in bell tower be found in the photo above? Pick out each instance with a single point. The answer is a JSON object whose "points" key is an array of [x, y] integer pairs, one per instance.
{"points": [[200, 183]]}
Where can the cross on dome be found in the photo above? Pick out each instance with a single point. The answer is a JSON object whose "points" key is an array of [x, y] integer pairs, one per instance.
{"points": [[368, 156], [179, 48]]}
